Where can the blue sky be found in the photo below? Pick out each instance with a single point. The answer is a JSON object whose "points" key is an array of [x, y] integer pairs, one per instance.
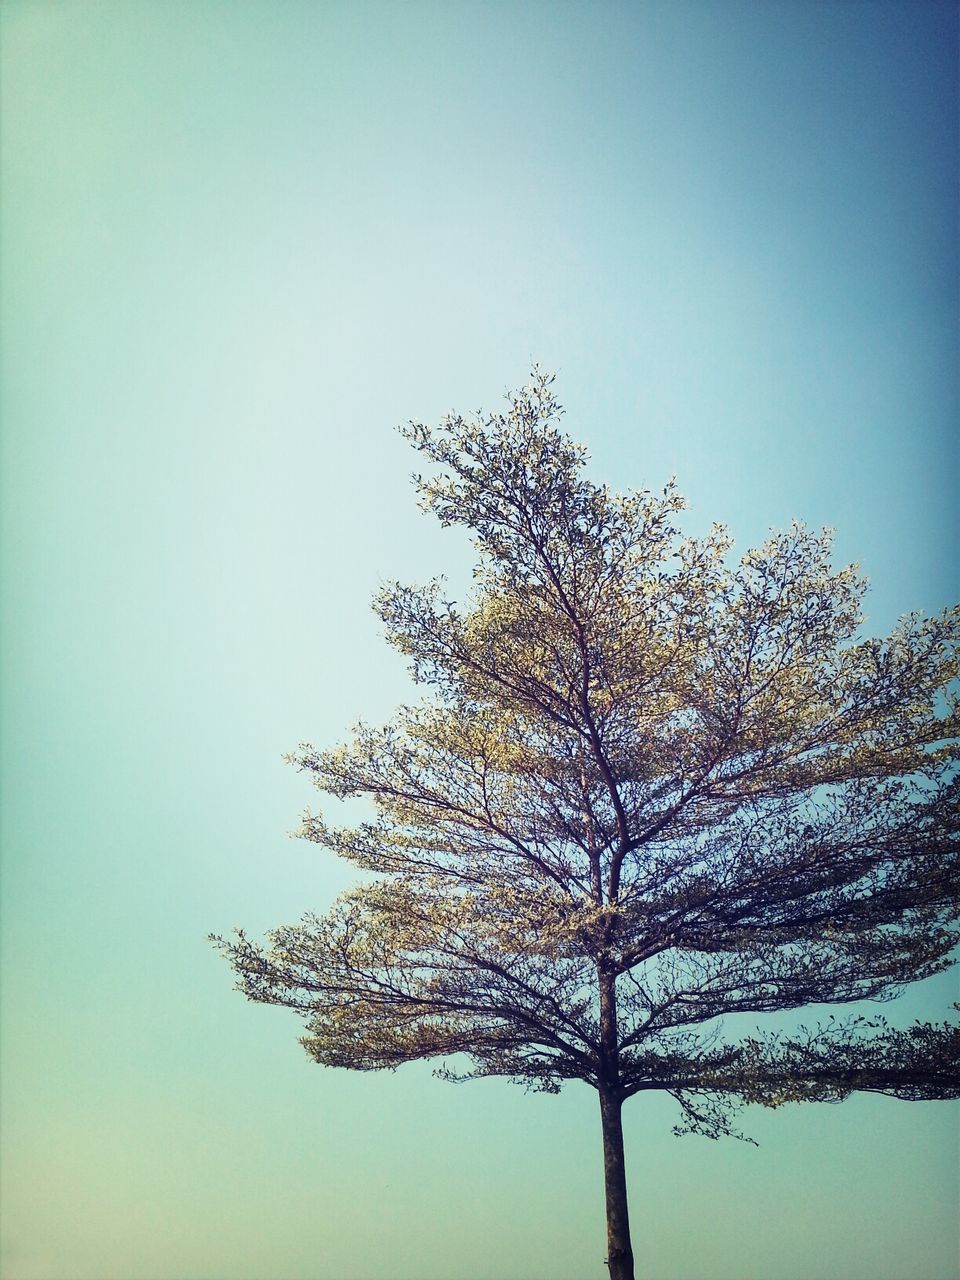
{"points": [[241, 242]]}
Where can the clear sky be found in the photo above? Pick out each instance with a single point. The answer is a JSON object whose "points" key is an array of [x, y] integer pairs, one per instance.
{"points": [[241, 242]]}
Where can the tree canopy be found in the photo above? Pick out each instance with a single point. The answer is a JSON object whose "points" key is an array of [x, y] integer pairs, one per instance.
{"points": [[649, 788]]}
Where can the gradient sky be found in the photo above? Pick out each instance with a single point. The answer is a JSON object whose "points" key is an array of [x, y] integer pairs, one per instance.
{"points": [[241, 242]]}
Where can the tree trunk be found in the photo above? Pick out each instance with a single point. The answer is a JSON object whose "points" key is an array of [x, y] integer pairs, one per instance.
{"points": [[619, 1252]]}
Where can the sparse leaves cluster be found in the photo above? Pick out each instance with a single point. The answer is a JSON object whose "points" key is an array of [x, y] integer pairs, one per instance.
{"points": [[650, 789]]}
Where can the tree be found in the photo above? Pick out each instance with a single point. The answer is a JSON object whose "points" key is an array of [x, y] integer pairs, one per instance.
{"points": [[648, 791]]}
